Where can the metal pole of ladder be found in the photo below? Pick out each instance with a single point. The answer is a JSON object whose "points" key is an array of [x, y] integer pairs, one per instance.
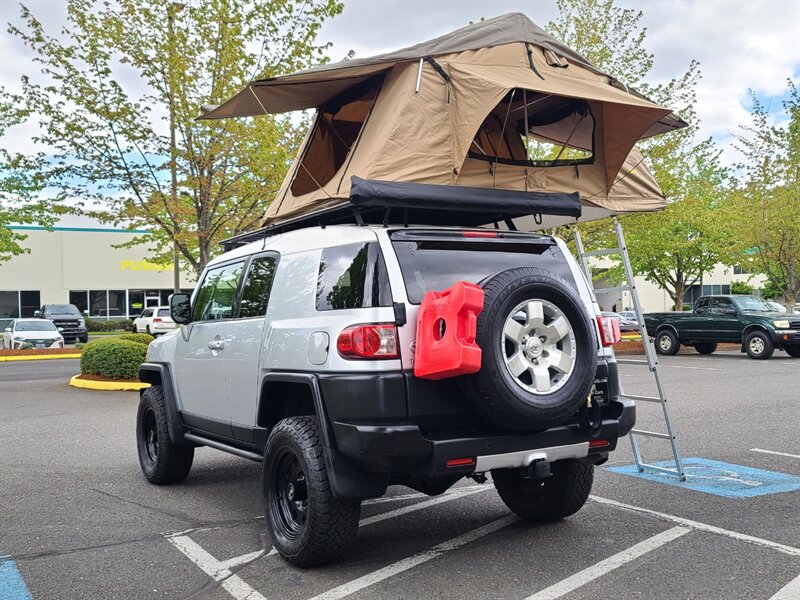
{"points": [[654, 367]]}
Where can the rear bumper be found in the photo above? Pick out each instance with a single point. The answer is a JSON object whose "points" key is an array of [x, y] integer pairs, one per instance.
{"points": [[392, 448]]}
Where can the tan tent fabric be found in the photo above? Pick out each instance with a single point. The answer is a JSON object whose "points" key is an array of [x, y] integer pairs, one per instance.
{"points": [[424, 115]]}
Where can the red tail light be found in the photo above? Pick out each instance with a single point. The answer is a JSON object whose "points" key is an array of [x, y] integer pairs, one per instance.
{"points": [[598, 443], [481, 234], [378, 341], [460, 462], [609, 330], [157, 320]]}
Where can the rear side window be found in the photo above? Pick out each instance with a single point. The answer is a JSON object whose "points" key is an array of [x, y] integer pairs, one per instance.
{"points": [[436, 264], [255, 295], [163, 312], [352, 276], [217, 293]]}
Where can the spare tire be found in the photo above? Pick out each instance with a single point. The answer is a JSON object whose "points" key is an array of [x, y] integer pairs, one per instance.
{"points": [[539, 351]]}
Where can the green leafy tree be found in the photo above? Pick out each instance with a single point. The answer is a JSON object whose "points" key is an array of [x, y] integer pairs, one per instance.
{"points": [[21, 190], [671, 248], [120, 72], [765, 209]]}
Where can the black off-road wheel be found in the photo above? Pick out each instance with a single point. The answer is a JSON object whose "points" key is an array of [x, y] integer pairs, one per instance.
{"points": [[538, 351], [162, 461], [759, 345], [793, 351], [705, 347], [667, 342], [308, 524], [549, 499]]}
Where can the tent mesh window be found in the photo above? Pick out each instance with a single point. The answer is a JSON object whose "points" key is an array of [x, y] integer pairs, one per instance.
{"points": [[536, 130], [336, 129]]}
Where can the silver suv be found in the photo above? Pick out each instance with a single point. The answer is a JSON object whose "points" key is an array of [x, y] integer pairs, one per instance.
{"points": [[298, 351]]}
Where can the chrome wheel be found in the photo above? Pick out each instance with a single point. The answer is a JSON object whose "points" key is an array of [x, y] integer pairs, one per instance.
{"points": [[756, 345], [538, 346], [665, 343]]}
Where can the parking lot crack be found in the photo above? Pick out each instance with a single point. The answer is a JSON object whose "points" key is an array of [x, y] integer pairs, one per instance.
{"points": [[163, 511]]}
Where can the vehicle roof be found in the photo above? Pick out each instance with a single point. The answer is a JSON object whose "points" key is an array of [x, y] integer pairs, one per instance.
{"points": [[32, 319], [313, 238]]}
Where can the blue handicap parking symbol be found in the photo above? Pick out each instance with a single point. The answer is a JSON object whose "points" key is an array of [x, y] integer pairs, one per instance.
{"points": [[719, 478]]}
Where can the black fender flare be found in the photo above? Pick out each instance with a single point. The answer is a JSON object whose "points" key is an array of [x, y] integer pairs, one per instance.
{"points": [[347, 480], [159, 374]]}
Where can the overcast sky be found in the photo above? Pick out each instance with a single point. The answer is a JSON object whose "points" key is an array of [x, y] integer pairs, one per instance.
{"points": [[741, 44]]}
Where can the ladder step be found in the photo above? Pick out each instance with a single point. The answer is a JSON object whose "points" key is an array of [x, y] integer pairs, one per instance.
{"points": [[648, 467], [603, 252], [655, 434], [642, 398], [619, 288]]}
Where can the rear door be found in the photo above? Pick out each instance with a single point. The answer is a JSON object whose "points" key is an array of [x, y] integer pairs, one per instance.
{"points": [[199, 358], [243, 342]]}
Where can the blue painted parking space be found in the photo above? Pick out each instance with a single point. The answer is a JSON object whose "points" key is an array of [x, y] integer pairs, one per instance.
{"points": [[12, 586], [719, 478]]}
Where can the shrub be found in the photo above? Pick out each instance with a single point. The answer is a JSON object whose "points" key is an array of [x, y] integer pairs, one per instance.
{"points": [[103, 325], [113, 358], [139, 338], [741, 287]]}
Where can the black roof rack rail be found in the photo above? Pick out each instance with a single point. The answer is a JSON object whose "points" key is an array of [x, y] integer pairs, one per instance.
{"points": [[374, 203]]}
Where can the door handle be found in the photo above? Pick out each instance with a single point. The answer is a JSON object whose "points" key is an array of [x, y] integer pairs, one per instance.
{"points": [[216, 344]]}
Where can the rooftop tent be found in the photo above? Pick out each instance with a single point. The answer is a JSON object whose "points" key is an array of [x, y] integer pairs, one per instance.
{"points": [[496, 105]]}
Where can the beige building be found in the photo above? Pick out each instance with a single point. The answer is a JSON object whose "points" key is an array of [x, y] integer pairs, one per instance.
{"points": [[82, 266]]}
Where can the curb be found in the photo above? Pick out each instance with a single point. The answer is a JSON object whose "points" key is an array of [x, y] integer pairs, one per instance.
{"points": [[38, 357], [113, 386]]}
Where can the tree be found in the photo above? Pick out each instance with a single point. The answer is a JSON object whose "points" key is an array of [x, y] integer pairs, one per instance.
{"points": [[21, 189], [115, 75], [765, 208], [674, 247]]}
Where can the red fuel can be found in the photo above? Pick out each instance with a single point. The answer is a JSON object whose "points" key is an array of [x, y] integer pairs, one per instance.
{"points": [[446, 328]]}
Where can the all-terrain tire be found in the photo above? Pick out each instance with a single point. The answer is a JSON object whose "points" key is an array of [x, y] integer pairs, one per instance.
{"points": [[759, 345], [793, 351], [705, 347], [667, 342], [550, 499], [162, 462], [498, 395], [329, 524]]}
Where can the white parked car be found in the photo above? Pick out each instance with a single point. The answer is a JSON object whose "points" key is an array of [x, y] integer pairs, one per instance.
{"points": [[776, 306], [155, 321], [38, 333]]}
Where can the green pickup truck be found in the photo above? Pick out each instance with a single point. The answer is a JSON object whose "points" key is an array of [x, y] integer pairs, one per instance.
{"points": [[744, 320]]}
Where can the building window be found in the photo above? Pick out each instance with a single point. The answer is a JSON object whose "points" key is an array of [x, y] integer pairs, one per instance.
{"points": [[98, 303], [9, 305], [29, 302], [80, 298], [116, 303], [135, 302], [740, 270]]}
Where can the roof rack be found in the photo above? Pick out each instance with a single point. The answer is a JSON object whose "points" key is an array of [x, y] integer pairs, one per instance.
{"points": [[394, 203]]}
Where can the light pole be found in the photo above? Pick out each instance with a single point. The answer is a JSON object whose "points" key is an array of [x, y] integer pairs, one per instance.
{"points": [[172, 9]]}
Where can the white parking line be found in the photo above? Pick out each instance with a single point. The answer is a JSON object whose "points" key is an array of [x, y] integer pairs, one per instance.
{"points": [[742, 537], [420, 505], [412, 561], [774, 452], [790, 592], [215, 569], [688, 367], [581, 578]]}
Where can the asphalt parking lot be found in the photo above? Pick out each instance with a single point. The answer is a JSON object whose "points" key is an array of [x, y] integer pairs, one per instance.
{"points": [[77, 519]]}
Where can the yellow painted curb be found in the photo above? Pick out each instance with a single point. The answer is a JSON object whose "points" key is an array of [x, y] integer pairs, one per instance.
{"points": [[114, 386], [38, 357]]}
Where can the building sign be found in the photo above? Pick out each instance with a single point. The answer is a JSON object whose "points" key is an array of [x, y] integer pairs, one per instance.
{"points": [[145, 265]]}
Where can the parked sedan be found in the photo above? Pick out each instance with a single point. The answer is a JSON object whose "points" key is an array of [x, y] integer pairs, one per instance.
{"points": [[624, 324], [154, 321], [31, 333]]}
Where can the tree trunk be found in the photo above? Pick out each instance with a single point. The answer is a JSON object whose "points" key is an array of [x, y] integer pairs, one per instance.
{"points": [[680, 290]]}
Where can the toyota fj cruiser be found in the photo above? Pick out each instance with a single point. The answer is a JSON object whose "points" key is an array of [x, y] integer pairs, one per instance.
{"points": [[298, 350]]}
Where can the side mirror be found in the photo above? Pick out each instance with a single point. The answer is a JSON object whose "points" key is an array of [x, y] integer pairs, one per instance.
{"points": [[180, 308], [37, 313]]}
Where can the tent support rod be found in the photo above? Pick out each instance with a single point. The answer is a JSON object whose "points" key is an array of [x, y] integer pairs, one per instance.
{"points": [[419, 76]]}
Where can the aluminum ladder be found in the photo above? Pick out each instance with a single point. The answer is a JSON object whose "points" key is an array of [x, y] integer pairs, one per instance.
{"points": [[651, 359]]}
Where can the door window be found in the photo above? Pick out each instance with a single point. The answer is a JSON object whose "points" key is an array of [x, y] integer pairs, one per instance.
{"points": [[217, 294], [255, 295], [723, 306], [702, 307]]}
